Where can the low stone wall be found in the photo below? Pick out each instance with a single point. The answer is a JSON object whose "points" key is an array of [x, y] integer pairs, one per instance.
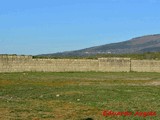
{"points": [[27, 63]]}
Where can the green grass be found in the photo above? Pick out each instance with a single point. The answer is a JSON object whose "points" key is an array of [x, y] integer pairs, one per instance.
{"points": [[78, 95]]}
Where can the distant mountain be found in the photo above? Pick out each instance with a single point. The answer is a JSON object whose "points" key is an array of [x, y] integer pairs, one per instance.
{"points": [[148, 43]]}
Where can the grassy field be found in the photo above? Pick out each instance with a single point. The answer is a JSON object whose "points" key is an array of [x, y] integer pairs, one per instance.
{"points": [[78, 96]]}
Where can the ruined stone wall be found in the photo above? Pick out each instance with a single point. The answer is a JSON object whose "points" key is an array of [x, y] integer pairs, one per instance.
{"points": [[27, 63], [114, 64], [145, 65], [62, 65], [14, 63]]}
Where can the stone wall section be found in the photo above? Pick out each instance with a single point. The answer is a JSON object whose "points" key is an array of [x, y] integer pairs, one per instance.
{"points": [[9, 63], [145, 65], [114, 64]]}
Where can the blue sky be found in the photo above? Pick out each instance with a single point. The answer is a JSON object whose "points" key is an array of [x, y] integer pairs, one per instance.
{"points": [[33, 27]]}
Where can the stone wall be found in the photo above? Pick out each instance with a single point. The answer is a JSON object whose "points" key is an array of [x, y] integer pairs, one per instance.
{"points": [[27, 63], [114, 64], [145, 65], [62, 65], [15, 63]]}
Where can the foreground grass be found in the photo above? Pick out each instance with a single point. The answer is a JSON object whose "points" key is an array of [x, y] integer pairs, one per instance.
{"points": [[78, 96]]}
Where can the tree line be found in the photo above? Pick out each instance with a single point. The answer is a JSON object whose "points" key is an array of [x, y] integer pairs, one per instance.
{"points": [[138, 56]]}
